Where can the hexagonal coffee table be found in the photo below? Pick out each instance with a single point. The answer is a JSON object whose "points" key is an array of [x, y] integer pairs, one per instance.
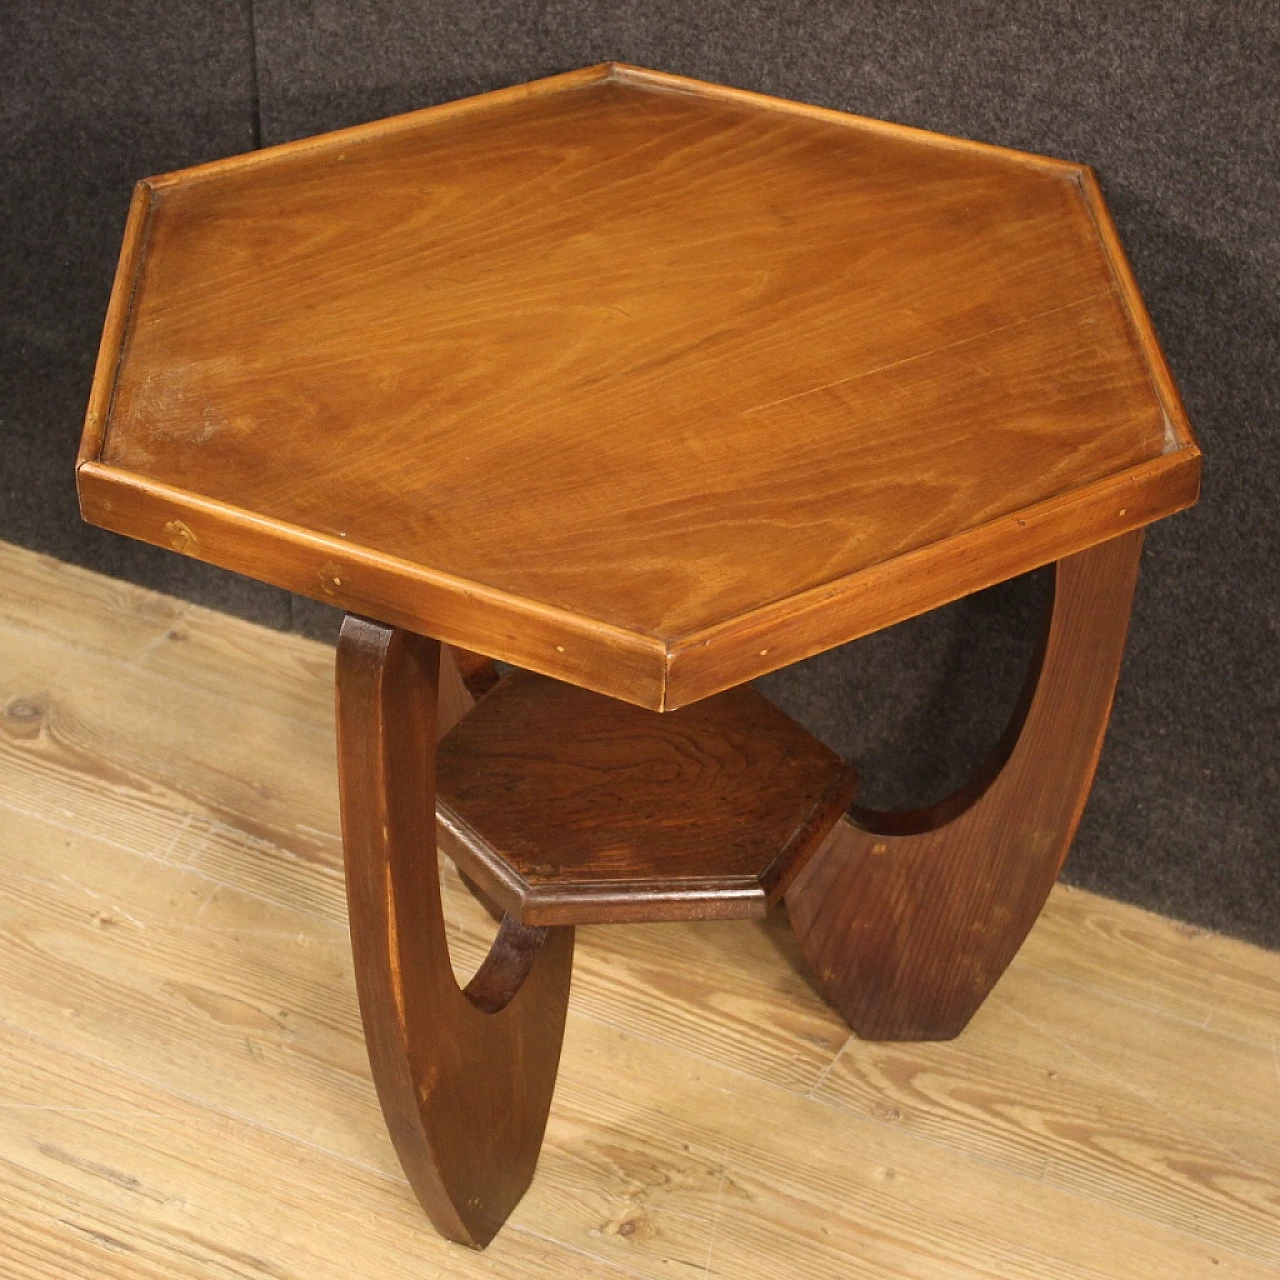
{"points": [[646, 387]]}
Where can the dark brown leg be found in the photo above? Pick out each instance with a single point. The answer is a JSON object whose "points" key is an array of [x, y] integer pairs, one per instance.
{"points": [[464, 1077], [464, 677], [908, 919]]}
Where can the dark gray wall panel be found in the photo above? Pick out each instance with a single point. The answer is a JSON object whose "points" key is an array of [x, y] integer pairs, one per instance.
{"points": [[96, 96]]}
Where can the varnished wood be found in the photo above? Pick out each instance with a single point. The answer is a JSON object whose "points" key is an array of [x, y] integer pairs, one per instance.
{"points": [[478, 673], [464, 677], [184, 1091], [909, 919], [115, 325], [648, 385], [567, 807], [651, 386], [795, 628], [465, 1078]]}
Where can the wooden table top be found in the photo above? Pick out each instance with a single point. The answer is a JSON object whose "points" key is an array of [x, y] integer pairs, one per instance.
{"points": [[649, 385]]}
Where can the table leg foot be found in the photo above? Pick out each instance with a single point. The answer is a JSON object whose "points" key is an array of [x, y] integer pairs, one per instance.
{"points": [[909, 919], [465, 1078]]}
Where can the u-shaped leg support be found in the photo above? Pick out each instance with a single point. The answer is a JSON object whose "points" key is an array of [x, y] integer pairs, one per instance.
{"points": [[465, 1078], [908, 919]]}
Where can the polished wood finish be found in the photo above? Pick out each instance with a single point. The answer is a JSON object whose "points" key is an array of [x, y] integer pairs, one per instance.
{"points": [[567, 807], [648, 385], [478, 673], [184, 1091], [909, 919], [465, 1077]]}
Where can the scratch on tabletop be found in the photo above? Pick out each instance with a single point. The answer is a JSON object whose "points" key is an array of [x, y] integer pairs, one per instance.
{"points": [[923, 355]]}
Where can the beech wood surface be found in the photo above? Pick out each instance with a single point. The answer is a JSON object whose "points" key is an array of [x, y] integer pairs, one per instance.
{"points": [[649, 385], [465, 1077], [567, 807], [909, 919]]}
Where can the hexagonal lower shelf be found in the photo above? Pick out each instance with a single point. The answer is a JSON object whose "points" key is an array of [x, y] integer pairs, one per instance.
{"points": [[567, 807]]}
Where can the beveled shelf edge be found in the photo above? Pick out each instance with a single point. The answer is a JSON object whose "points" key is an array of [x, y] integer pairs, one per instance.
{"points": [[568, 646], [810, 834], [620, 903], [643, 901], [588, 902], [786, 631]]}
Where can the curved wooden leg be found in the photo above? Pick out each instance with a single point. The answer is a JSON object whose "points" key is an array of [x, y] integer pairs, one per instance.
{"points": [[464, 677], [908, 919], [464, 1077]]}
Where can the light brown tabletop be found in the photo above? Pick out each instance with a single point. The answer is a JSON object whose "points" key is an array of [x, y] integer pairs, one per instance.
{"points": [[645, 384]]}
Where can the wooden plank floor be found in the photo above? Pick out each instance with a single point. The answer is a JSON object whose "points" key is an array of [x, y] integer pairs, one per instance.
{"points": [[184, 1092]]}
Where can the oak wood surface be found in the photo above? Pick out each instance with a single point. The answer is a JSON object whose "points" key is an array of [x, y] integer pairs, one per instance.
{"points": [[184, 1090], [648, 385], [909, 919], [568, 807], [464, 1076]]}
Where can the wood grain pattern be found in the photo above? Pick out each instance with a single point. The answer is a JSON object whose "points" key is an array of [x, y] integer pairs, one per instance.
{"points": [[781, 355], [1176, 970], [909, 919], [568, 807], [1070, 1124], [478, 673], [465, 1077], [115, 325], [798, 627], [86, 609], [184, 1090]]}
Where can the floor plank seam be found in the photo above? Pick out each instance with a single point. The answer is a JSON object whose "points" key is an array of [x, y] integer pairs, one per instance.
{"points": [[24, 624], [285, 1135], [661, 1044], [75, 830], [517, 1228], [201, 1104], [1178, 1121], [863, 1117], [184, 867], [1151, 1009], [683, 1051], [165, 677]]}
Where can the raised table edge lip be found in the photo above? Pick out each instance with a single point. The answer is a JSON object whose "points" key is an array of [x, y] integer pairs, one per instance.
{"points": [[653, 671], [644, 669]]}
